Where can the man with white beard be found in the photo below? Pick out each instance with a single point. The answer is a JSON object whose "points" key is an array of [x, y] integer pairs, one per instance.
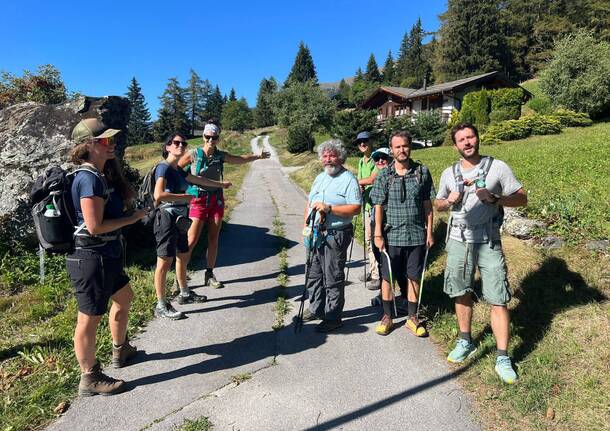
{"points": [[335, 196]]}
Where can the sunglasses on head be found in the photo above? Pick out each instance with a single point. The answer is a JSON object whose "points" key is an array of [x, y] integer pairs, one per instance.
{"points": [[177, 143], [210, 137]]}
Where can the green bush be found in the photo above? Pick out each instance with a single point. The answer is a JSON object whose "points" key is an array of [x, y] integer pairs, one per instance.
{"points": [[429, 126], [505, 113], [453, 118], [510, 130], [347, 125], [540, 105], [299, 139], [395, 124], [542, 124], [569, 118], [488, 139], [475, 108]]}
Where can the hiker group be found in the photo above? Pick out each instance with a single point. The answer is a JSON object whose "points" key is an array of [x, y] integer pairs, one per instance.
{"points": [[395, 195], [82, 212]]}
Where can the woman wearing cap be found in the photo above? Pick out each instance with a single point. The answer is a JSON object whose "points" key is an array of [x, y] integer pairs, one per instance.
{"points": [[99, 192], [171, 223], [208, 205]]}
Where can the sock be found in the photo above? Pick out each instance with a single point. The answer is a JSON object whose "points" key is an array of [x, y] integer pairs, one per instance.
{"points": [[466, 336], [412, 308], [185, 291], [502, 353], [387, 307], [161, 303], [117, 346]]}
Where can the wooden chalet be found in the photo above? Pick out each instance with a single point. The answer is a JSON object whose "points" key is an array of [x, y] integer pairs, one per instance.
{"points": [[399, 101]]}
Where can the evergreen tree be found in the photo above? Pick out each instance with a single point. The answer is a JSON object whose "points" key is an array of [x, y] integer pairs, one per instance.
{"points": [[173, 115], [344, 97], [215, 103], [303, 68], [263, 115], [372, 70], [401, 61], [359, 75], [388, 70], [471, 40], [197, 94], [232, 96], [139, 126]]}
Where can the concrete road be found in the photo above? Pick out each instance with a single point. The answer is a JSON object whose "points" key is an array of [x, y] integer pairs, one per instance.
{"points": [[227, 363]]}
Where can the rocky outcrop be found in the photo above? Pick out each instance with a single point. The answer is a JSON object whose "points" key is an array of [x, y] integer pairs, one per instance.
{"points": [[34, 136], [519, 226]]}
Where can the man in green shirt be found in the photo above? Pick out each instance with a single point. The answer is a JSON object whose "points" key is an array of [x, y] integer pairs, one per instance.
{"points": [[366, 177]]}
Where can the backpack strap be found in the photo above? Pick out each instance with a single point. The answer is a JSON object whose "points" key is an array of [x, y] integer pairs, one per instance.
{"points": [[457, 175]]}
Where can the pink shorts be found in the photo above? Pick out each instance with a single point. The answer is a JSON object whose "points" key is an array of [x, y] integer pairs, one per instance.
{"points": [[207, 207]]}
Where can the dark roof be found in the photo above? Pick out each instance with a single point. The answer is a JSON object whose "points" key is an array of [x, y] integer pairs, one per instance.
{"points": [[412, 93]]}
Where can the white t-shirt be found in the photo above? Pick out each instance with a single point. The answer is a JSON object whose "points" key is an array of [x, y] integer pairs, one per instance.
{"points": [[471, 217]]}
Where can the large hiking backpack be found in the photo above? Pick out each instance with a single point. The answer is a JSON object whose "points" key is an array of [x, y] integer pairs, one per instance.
{"points": [[146, 196], [52, 208], [201, 161]]}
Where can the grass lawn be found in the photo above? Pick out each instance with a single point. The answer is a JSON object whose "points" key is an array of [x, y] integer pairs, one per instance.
{"points": [[38, 370], [560, 308]]}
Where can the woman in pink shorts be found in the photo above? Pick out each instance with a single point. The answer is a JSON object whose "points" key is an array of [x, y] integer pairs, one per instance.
{"points": [[207, 206]]}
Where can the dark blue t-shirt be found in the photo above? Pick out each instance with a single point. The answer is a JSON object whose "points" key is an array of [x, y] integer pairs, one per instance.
{"points": [[175, 181], [87, 185]]}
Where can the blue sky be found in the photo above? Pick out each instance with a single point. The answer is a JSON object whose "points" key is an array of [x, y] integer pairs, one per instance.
{"points": [[100, 46]]}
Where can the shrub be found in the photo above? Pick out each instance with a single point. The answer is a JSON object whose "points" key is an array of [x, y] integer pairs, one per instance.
{"points": [[578, 75], [299, 139], [394, 124], [347, 125], [506, 113], [510, 130], [488, 139], [569, 118], [542, 124], [475, 108], [540, 105], [429, 126], [453, 118]]}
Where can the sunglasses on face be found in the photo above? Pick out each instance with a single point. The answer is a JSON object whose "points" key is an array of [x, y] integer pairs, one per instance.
{"points": [[210, 137], [105, 141], [381, 161], [177, 143], [363, 142]]}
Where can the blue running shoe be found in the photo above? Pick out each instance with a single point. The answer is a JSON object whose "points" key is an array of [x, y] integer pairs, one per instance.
{"points": [[504, 369], [462, 351]]}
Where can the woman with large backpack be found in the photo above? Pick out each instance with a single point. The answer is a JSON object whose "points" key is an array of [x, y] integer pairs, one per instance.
{"points": [[208, 204], [99, 193], [171, 223]]}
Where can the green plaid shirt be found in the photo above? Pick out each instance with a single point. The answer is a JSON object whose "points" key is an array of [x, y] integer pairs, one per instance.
{"points": [[403, 198]]}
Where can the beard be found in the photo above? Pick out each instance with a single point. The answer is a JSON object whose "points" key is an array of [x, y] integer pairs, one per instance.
{"points": [[476, 151], [332, 170]]}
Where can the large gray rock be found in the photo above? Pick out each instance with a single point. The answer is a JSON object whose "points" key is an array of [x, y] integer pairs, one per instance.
{"points": [[519, 226], [34, 136]]}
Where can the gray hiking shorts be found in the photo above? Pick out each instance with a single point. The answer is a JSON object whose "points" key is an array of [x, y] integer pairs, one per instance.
{"points": [[462, 261]]}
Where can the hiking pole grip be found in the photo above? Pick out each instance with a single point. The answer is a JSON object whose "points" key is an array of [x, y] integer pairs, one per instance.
{"points": [[421, 284]]}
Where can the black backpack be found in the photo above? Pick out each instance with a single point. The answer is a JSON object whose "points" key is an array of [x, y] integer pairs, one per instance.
{"points": [[52, 208], [146, 198]]}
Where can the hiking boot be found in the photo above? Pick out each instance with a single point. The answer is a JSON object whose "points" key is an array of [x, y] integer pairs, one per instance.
{"points": [[373, 284], [462, 351], [361, 277], [121, 355], [168, 312], [308, 316], [95, 382], [505, 371], [385, 326], [416, 327], [328, 325], [191, 298], [210, 280]]}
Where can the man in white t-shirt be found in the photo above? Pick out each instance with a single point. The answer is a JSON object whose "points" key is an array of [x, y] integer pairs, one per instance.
{"points": [[475, 189]]}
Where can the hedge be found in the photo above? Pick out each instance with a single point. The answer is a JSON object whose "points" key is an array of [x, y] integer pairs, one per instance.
{"points": [[569, 118]]}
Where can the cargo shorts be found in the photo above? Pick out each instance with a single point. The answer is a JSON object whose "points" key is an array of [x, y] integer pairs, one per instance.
{"points": [[462, 261]]}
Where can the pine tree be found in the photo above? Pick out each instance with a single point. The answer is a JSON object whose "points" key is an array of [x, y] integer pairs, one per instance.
{"points": [[388, 70], [359, 75], [263, 115], [401, 61], [232, 96], [197, 94], [372, 70], [303, 68], [139, 126], [344, 96], [471, 40], [215, 103], [173, 112]]}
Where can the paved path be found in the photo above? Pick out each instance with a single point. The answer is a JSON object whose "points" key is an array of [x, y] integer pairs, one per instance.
{"points": [[351, 380]]}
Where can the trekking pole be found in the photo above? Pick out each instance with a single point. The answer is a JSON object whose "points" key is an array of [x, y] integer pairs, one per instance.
{"points": [[421, 285], [349, 259], [364, 250], [298, 324], [391, 281]]}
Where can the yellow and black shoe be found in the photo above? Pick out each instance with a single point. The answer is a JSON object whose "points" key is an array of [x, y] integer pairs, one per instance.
{"points": [[385, 326], [416, 327]]}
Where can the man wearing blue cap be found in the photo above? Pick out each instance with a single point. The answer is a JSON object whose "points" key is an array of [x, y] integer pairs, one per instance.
{"points": [[366, 178]]}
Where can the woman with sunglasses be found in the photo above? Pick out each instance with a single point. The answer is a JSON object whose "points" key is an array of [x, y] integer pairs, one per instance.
{"points": [[172, 223], [208, 205], [99, 192]]}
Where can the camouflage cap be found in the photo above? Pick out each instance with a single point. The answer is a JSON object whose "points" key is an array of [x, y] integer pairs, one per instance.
{"points": [[92, 128]]}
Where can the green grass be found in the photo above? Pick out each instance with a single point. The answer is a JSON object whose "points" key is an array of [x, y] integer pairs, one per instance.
{"points": [[282, 306], [201, 424], [38, 370], [560, 309]]}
